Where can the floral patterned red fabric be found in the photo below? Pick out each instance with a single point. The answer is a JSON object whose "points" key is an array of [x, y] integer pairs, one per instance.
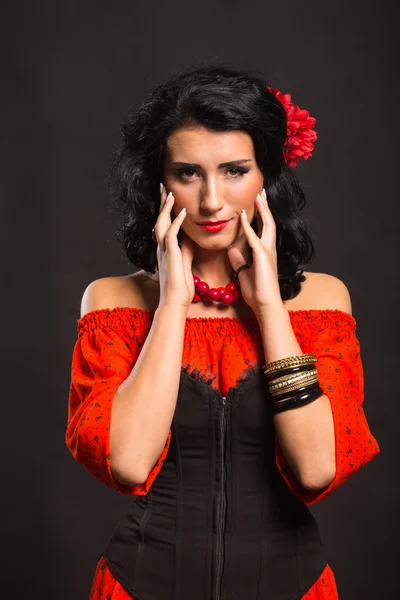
{"points": [[108, 345]]}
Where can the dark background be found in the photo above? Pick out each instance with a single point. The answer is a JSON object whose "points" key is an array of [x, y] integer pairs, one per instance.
{"points": [[70, 72]]}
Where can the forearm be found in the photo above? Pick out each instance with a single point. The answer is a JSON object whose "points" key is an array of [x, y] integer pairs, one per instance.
{"points": [[305, 434], [145, 402]]}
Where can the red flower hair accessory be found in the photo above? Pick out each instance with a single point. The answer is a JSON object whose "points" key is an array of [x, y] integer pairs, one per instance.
{"points": [[300, 137]]}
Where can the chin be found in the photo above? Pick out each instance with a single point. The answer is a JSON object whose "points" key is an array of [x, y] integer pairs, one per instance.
{"points": [[221, 245]]}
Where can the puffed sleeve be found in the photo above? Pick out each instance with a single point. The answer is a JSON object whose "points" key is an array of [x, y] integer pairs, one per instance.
{"points": [[104, 354], [331, 335]]}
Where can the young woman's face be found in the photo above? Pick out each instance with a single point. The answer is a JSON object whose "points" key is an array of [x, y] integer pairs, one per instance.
{"points": [[209, 189]]}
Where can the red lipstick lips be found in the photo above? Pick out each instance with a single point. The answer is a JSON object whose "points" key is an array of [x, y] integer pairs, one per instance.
{"points": [[213, 225], [212, 222]]}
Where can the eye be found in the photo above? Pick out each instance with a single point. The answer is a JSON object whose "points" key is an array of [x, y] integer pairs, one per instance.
{"points": [[240, 172], [180, 173], [185, 174]]}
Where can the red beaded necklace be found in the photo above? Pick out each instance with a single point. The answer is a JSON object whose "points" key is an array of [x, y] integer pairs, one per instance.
{"points": [[228, 294]]}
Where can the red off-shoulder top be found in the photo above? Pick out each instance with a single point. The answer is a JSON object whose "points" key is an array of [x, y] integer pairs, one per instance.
{"points": [[109, 342]]}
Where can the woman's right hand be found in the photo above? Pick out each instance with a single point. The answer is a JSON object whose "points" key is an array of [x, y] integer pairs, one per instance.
{"points": [[174, 263]]}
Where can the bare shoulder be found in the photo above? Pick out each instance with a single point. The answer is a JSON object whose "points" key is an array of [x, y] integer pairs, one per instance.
{"points": [[323, 291], [112, 292]]}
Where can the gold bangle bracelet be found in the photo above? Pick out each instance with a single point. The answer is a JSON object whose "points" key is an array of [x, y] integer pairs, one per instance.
{"points": [[280, 374], [294, 387], [291, 361], [298, 383], [287, 363], [286, 379]]}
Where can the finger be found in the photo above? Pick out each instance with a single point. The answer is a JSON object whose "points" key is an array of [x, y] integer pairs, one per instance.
{"points": [[176, 223], [251, 236], [188, 248], [171, 236], [164, 218], [236, 257], [268, 232], [163, 197]]}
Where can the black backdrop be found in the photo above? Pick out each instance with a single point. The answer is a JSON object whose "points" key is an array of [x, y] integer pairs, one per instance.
{"points": [[70, 72]]}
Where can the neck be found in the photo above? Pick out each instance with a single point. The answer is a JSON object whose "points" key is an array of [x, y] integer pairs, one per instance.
{"points": [[214, 266]]}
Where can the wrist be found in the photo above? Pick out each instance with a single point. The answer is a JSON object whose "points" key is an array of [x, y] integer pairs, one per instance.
{"points": [[268, 314], [171, 310], [279, 340]]}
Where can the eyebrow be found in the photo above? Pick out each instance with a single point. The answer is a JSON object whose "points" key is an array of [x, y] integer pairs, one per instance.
{"points": [[231, 163]]}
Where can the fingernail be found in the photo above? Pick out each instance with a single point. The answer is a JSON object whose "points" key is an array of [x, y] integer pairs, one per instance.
{"points": [[244, 213], [161, 187], [169, 197], [182, 211]]}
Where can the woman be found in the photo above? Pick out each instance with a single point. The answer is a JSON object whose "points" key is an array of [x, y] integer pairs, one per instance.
{"points": [[221, 385]]}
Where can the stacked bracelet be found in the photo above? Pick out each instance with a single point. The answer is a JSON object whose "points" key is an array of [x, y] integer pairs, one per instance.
{"points": [[290, 361], [292, 381], [300, 399]]}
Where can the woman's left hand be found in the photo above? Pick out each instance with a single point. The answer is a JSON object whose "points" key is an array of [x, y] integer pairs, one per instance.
{"points": [[259, 284]]}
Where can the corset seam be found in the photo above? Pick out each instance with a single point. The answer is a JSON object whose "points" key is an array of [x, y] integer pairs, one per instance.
{"points": [[143, 523]]}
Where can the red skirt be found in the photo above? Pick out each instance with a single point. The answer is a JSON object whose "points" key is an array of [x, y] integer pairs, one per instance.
{"points": [[106, 587]]}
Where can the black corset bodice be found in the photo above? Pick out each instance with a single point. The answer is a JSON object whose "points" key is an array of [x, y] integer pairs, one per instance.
{"points": [[219, 521]]}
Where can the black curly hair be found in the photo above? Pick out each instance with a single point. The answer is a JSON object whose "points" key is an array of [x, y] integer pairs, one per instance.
{"points": [[219, 98]]}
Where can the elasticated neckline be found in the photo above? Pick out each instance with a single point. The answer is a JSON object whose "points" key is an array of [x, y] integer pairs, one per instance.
{"points": [[142, 317]]}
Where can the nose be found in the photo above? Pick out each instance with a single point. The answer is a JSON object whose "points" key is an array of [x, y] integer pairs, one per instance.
{"points": [[211, 196]]}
